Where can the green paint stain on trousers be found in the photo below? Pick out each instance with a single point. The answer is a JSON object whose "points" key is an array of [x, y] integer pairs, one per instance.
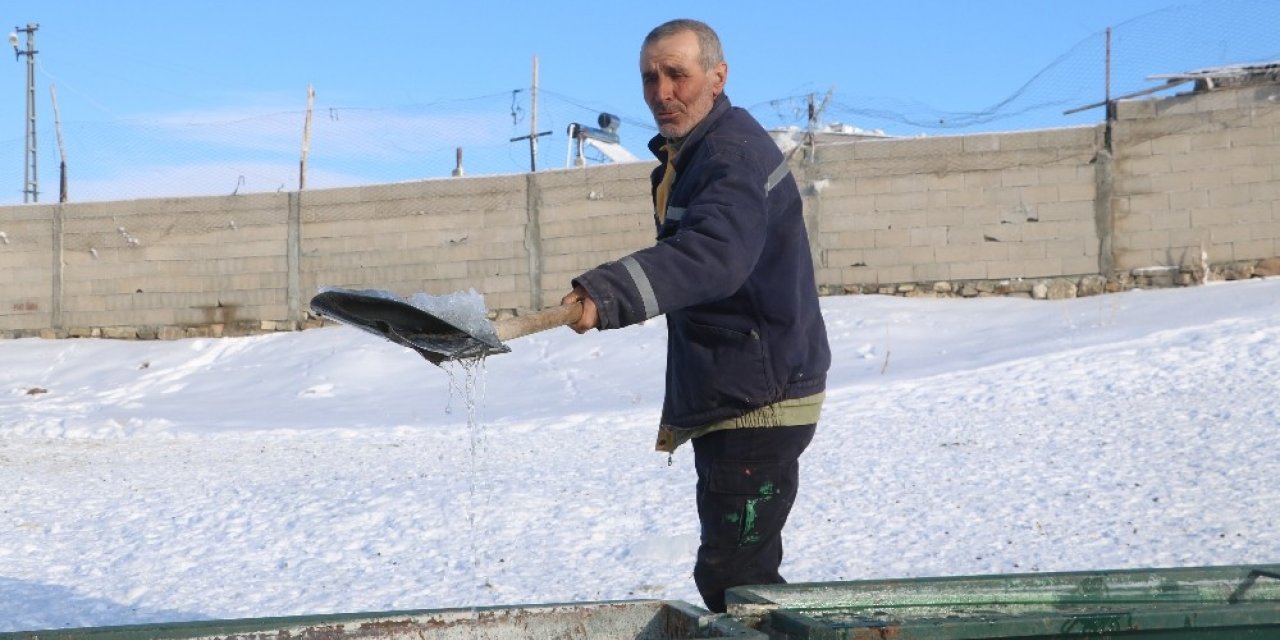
{"points": [[749, 515]]}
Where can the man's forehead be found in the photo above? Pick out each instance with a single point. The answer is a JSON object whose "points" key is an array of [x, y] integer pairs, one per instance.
{"points": [[682, 44]]}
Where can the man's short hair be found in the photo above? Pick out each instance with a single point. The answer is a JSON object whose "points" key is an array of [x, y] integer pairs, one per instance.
{"points": [[710, 51]]}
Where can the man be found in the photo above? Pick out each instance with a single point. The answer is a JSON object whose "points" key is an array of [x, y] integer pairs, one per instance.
{"points": [[747, 352]]}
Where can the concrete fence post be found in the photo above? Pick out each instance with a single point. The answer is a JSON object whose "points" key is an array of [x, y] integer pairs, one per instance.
{"points": [[1103, 211], [533, 238], [806, 173], [293, 295], [55, 303]]}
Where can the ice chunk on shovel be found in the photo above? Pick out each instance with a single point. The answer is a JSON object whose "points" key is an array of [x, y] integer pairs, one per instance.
{"points": [[440, 328]]}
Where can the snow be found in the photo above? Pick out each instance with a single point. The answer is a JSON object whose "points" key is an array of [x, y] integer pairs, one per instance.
{"points": [[330, 471], [463, 310]]}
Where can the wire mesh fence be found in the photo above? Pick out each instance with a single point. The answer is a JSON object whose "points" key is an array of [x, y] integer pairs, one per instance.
{"points": [[1177, 39], [234, 153]]}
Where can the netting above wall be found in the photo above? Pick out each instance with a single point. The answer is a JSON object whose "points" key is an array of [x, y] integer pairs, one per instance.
{"points": [[1173, 40], [236, 153]]}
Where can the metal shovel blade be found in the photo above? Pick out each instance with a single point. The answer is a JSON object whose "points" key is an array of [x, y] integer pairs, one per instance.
{"points": [[383, 314]]}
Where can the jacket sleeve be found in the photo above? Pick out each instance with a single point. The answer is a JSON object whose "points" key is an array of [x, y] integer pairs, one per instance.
{"points": [[710, 255]]}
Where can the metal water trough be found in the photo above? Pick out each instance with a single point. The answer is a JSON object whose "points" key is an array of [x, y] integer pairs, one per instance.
{"points": [[1227, 602], [623, 620]]}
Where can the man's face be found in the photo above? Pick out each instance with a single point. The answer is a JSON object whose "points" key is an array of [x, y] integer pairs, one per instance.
{"points": [[677, 89]]}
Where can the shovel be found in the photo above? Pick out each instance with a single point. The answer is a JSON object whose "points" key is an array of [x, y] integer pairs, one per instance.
{"points": [[438, 328]]}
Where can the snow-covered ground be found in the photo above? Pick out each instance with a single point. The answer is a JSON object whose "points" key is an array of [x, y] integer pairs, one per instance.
{"points": [[329, 471]]}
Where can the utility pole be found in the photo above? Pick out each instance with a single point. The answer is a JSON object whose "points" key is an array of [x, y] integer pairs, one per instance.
{"points": [[306, 138], [62, 149], [534, 134], [533, 119], [1111, 105], [31, 183]]}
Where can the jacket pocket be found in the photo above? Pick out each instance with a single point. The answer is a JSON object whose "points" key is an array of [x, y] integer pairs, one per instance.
{"points": [[717, 373]]}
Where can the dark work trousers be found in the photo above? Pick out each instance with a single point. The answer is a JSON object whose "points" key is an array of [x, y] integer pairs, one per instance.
{"points": [[747, 482]]}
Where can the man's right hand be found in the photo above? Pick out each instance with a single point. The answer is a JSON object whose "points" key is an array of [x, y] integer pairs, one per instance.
{"points": [[590, 315]]}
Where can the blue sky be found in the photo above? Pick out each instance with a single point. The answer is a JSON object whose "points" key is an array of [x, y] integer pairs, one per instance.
{"points": [[192, 73]]}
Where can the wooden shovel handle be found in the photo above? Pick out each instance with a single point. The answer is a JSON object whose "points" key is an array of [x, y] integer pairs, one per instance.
{"points": [[551, 318]]}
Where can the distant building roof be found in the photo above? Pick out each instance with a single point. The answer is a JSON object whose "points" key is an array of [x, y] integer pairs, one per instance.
{"points": [[789, 138], [1234, 75]]}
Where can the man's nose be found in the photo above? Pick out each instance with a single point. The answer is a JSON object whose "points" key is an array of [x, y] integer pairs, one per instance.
{"points": [[663, 90]]}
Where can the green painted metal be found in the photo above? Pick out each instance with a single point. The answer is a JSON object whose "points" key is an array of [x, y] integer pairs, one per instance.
{"points": [[1196, 603], [629, 620], [1200, 603]]}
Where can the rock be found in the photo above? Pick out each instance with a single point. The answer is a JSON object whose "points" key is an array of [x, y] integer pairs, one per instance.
{"points": [[1237, 271], [1267, 268], [120, 333], [942, 287], [1039, 291], [1061, 289], [1020, 285], [170, 333], [1157, 281], [1091, 286], [1151, 272]]}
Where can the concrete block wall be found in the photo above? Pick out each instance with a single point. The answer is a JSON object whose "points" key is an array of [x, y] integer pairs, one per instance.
{"points": [[434, 237], [996, 206], [517, 239], [172, 262], [1189, 179], [27, 261], [589, 218], [1198, 179]]}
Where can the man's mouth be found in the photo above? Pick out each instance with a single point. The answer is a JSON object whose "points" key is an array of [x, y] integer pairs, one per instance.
{"points": [[666, 114]]}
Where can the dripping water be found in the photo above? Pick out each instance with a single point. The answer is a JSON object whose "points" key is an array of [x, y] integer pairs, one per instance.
{"points": [[466, 381]]}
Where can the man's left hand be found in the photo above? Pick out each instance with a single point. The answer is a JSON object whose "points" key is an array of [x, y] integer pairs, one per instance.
{"points": [[590, 315]]}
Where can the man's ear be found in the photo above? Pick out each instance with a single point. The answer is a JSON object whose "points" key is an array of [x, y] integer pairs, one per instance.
{"points": [[719, 76]]}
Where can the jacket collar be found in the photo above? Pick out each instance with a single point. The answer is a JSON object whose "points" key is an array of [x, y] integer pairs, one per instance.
{"points": [[718, 109]]}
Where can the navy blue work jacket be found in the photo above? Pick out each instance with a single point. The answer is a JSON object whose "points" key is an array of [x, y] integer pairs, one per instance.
{"points": [[732, 271]]}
